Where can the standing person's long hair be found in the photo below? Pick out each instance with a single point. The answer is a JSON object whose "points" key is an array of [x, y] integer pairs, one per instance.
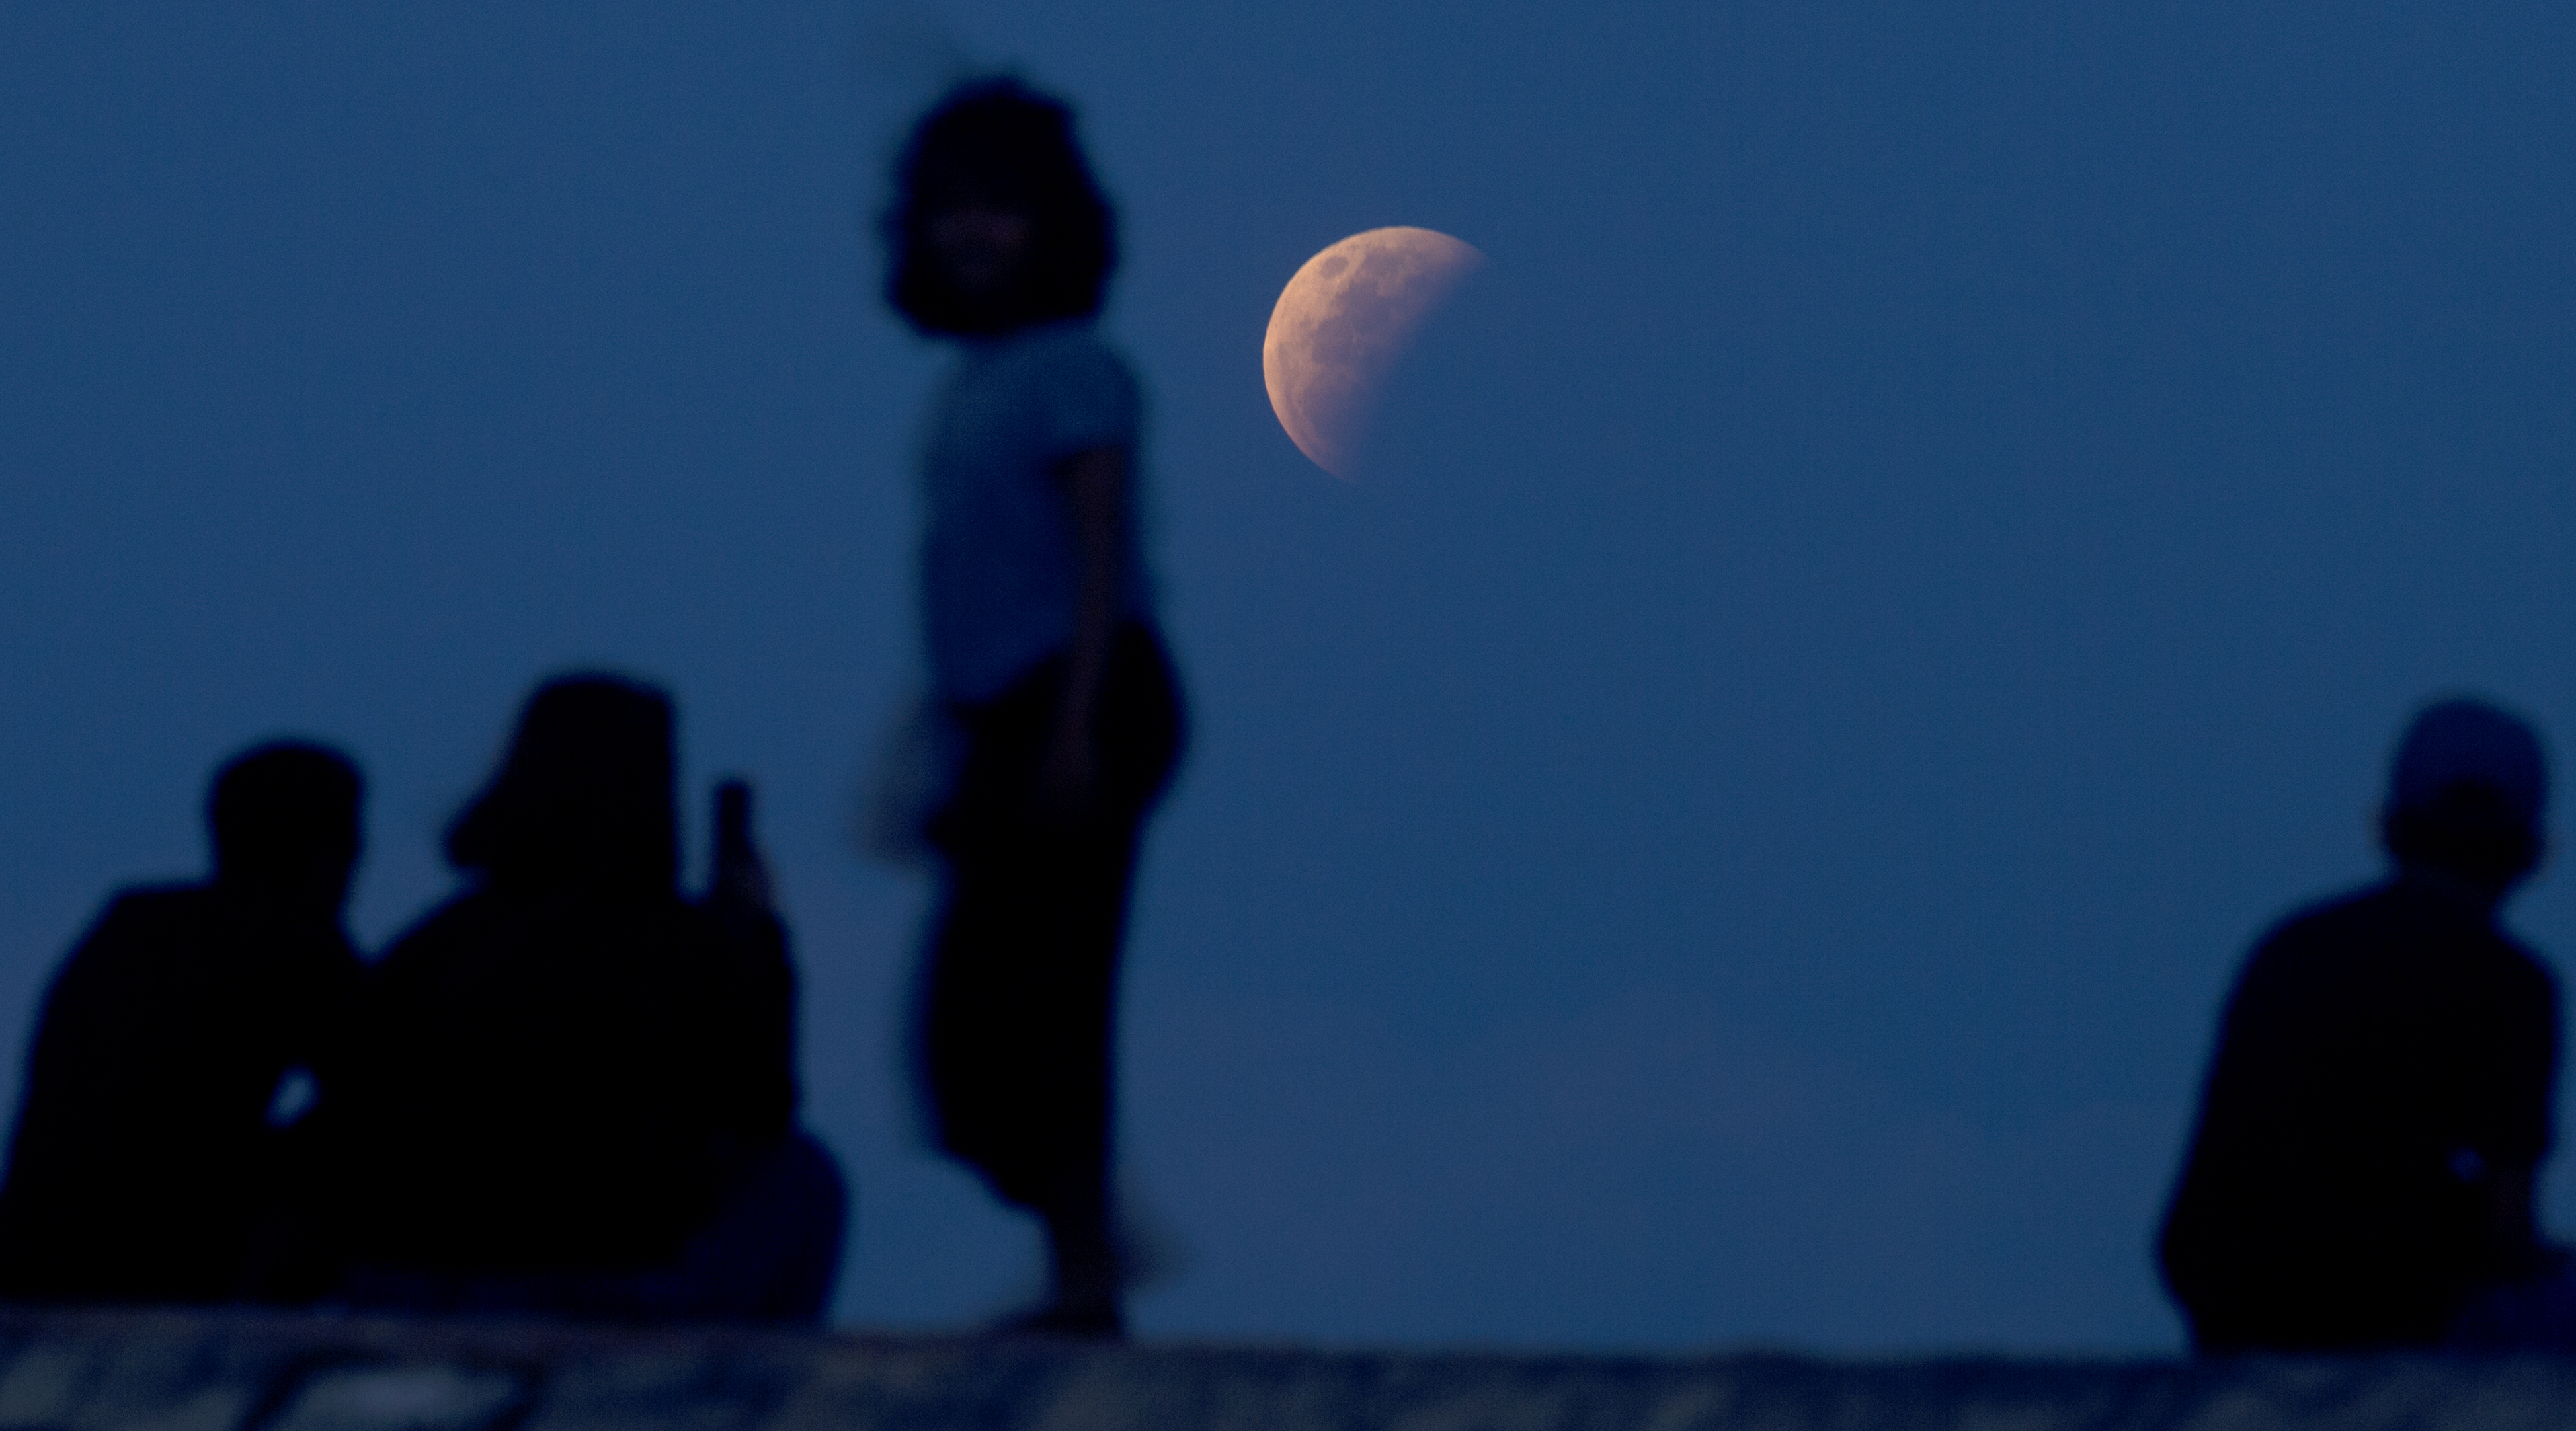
{"points": [[998, 141]]}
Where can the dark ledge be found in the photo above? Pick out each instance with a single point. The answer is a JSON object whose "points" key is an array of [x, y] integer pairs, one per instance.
{"points": [[248, 1371]]}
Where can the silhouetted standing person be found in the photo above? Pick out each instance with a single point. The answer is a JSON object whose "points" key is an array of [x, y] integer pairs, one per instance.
{"points": [[2379, 1102], [1044, 653], [574, 1090], [145, 1158]]}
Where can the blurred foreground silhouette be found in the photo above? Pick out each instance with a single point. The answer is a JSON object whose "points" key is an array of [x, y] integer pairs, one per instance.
{"points": [[189, 1024], [574, 1090], [567, 1091], [2379, 1102]]}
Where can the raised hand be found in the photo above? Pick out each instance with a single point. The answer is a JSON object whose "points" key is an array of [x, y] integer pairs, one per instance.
{"points": [[739, 878]]}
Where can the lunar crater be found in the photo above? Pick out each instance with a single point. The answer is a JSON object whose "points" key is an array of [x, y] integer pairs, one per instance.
{"points": [[1343, 323]]}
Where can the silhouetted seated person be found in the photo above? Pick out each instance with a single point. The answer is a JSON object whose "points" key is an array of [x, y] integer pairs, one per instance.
{"points": [[2379, 1102], [574, 1089], [189, 1021]]}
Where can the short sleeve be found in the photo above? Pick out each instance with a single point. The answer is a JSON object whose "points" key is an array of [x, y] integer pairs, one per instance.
{"points": [[1085, 396]]}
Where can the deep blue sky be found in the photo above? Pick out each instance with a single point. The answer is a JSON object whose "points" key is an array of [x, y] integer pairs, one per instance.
{"points": [[1914, 550]]}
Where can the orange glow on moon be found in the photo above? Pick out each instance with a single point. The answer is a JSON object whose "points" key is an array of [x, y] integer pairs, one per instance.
{"points": [[1343, 322]]}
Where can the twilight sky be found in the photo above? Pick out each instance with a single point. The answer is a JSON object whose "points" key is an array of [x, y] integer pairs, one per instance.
{"points": [[1915, 547]]}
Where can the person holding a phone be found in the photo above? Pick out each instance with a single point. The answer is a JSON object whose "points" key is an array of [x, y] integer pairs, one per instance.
{"points": [[574, 1089]]}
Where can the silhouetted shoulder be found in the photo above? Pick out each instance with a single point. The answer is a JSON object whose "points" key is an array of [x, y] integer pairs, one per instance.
{"points": [[144, 917], [114, 972], [1085, 390], [2379, 953], [192, 965], [609, 946]]}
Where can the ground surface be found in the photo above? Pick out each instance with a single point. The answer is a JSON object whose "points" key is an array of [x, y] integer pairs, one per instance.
{"points": [[181, 1371]]}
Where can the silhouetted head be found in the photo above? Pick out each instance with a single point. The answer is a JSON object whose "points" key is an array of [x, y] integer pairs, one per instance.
{"points": [[2465, 795], [996, 222], [284, 818], [584, 795]]}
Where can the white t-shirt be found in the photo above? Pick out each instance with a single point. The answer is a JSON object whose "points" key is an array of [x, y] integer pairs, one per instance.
{"points": [[999, 566]]}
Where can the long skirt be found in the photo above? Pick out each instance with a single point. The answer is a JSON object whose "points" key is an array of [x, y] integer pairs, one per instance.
{"points": [[1015, 1042]]}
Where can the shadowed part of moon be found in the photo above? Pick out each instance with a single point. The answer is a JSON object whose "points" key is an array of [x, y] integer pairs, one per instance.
{"points": [[1343, 322]]}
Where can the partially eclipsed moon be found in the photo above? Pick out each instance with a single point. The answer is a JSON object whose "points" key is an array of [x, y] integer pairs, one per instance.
{"points": [[1342, 323]]}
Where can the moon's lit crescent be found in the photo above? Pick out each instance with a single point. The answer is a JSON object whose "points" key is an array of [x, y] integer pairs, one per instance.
{"points": [[1342, 323]]}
